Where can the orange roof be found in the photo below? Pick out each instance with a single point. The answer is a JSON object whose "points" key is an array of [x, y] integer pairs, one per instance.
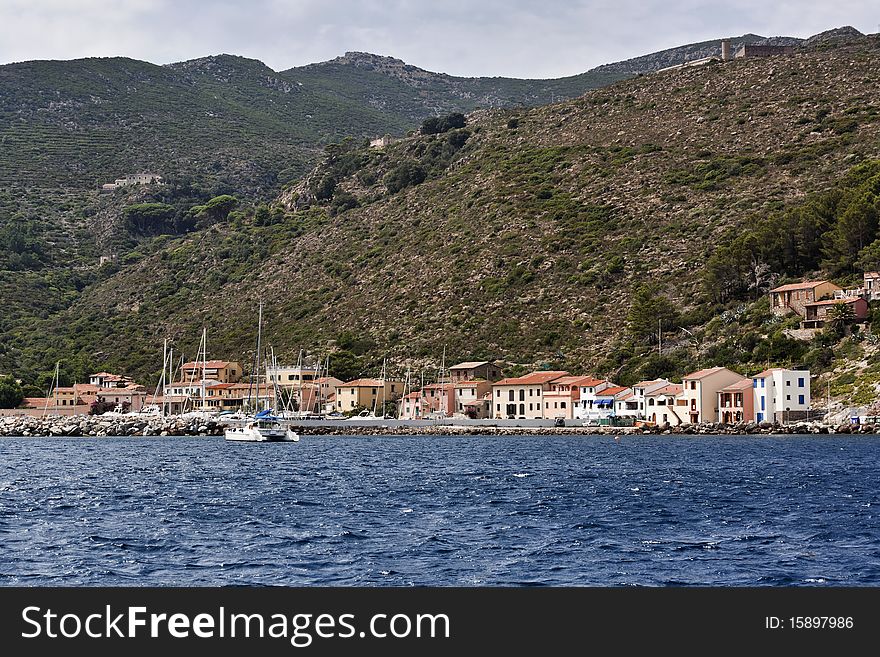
{"points": [[413, 395], [219, 386], [671, 389], [469, 384], [573, 380], [833, 302], [699, 374], [363, 383], [533, 377], [589, 382], [739, 385], [806, 285], [440, 386], [212, 364], [612, 391]]}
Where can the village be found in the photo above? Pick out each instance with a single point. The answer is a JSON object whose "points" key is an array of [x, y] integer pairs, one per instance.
{"points": [[478, 390]]}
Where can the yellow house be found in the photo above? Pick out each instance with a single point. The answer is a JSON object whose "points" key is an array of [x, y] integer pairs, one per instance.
{"points": [[215, 370], [367, 393]]}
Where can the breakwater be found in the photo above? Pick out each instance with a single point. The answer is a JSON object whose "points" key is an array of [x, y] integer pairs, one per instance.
{"points": [[133, 425], [104, 425]]}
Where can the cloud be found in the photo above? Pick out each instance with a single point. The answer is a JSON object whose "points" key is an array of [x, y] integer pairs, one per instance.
{"points": [[517, 38]]}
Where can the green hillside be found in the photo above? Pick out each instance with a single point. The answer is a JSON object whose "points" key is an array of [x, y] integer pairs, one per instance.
{"points": [[533, 235]]}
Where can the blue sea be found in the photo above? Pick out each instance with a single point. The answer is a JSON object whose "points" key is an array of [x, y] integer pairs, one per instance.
{"points": [[470, 511]]}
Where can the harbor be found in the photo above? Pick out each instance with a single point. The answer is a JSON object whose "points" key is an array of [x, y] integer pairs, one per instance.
{"points": [[133, 424]]}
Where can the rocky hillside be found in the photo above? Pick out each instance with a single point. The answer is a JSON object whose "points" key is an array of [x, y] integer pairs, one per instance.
{"points": [[392, 85], [529, 234], [681, 54]]}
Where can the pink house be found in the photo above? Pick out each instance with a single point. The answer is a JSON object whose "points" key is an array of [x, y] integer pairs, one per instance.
{"points": [[736, 403]]}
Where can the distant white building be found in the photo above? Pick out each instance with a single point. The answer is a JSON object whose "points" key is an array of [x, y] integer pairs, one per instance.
{"points": [[133, 179], [781, 395]]}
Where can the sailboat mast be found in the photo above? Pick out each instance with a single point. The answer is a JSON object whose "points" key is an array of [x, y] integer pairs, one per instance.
{"points": [[259, 349], [204, 363]]}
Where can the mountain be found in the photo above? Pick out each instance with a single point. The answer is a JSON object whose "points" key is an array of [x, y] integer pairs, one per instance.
{"points": [[531, 235], [532, 228], [391, 85]]}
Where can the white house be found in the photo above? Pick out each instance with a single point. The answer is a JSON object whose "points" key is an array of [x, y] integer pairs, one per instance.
{"points": [[600, 408], [781, 395], [661, 406], [587, 397], [638, 401]]}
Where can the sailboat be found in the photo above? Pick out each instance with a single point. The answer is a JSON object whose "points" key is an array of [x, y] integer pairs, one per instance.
{"points": [[264, 426]]}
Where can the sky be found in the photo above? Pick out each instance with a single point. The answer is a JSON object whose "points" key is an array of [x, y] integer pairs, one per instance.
{"points": [[512, 38]]}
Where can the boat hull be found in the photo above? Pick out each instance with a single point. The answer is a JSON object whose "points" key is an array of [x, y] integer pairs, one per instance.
{"points": [[252, 435]]}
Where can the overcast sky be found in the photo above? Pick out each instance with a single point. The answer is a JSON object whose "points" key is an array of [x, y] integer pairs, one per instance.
{"points": [[515, 38]]}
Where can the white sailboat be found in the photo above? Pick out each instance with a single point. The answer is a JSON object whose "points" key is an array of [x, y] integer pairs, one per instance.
{"points": [[263, 426]]}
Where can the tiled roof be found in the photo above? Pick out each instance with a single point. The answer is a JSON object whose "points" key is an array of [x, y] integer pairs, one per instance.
{"points": [[612, 391], [699, 374], [833, 302], [470, 365], [806, 285], [739, 385], [532, 378], [211, 364], [362, 383], [671, 389]]}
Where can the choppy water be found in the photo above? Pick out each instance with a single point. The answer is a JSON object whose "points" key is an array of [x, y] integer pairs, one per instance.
{"points": [[441, 511]]}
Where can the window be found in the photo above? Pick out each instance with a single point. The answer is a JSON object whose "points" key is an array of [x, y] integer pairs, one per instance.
{"points": [[522, 409], [531, 393], [546, 404], [800, 399], [530, 407], [754, 383], [693, 385], [561, 404], [664, 419], [763, 381], [522, 395], [555, 404], [510, 395], [498, 407], [290, 377], [800, 382], [538, 392], [788, 383], [651, 401], [762, 404], [788, 397]]}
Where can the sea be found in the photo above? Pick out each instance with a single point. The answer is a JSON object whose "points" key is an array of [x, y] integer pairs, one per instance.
{"points": [[441, 511]]}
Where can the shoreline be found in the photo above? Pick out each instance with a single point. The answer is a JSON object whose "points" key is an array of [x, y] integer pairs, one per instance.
{"points": [[99, 426]]}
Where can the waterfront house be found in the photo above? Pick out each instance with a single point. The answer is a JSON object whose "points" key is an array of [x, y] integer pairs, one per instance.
{"points": [[479, 409], [561, 400], [700, 392], [660, 406], [469, 397], [794, 297], [291, 377], [818, 313], [639, 396], [213, 370], [736, 403], [626, 405], [600, 407], [522, 397], [589, 388], [781, 395], [439, 399], [369, 394], [410, 407], [473, 370]]}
